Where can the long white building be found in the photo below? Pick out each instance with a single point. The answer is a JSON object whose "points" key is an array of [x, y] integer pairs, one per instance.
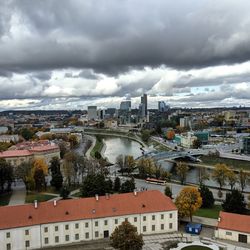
{"points": [[70, 221]]}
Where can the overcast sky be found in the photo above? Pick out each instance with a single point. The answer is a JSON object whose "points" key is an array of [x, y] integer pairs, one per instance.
{"points": [[67, 54]]}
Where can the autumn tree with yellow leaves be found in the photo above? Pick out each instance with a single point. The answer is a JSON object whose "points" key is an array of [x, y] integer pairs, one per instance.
{"points": [[38, 172], [188, 202]]}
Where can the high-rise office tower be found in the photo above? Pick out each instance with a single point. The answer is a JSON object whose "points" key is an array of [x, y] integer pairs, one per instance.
{"points": [[125, 105], [162, 106], [92, 112], [144, 105]]}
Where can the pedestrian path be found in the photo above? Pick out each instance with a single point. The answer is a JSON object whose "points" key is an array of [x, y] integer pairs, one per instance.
{"points": [[18, 194]]}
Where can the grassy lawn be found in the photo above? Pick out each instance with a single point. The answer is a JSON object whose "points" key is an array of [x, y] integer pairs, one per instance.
{"points": [[30, 197], [4, 199], [213, 160], [97, 148], [212, 213]]}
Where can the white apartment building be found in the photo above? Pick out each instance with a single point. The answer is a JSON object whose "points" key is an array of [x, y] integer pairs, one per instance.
{"points": [[71, 221], [92, 113], [235, 227]]}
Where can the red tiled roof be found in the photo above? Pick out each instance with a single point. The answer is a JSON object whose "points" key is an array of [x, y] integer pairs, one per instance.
{"points": [[85, 208], [44, 148], [14, 153], [234, 222]]}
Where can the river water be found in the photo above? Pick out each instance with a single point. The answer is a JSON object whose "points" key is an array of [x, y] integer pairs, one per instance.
{"points": [[115, 146]]}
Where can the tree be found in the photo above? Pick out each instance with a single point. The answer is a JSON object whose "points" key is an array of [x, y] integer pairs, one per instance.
{"points": [[63, 148], [248, 205], [6, 175], [39, 178], [207, 197], [243, 179], [117, 184], [170, 134], [220, 174], [23, 172], [197, 143], [57, 180], [145, 135], [54, 165], [129, 163], [70, 167], [95, 184], [234, 202], [73, 141], [120, 163], [168, 192], [64, 193], [182, 170], [188, 202], [128, 186], [27, 134], [125, 237], [232, 178], [203, 175]]}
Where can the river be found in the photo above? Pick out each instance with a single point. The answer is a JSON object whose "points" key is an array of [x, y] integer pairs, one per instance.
{"points": [[115, 146]]}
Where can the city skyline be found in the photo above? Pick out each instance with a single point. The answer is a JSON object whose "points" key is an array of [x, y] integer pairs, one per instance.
{"points": [[83, 53]]}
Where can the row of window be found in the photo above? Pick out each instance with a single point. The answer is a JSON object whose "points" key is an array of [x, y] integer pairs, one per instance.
{"points": [[96, 224]]}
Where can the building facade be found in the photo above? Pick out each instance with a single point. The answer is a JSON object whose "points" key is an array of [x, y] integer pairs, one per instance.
{"points": [[92, 112], [71, 221], [235, 227]]}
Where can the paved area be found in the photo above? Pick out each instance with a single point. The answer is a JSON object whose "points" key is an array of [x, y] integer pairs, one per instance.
{"points": [[18, 194]]}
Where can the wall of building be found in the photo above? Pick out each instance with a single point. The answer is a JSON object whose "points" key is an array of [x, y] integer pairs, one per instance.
{"points": [[83, 230], [230, 235]]}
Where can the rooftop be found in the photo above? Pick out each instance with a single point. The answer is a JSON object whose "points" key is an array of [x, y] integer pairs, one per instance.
{"points": [[234, 222], [85, 208]]}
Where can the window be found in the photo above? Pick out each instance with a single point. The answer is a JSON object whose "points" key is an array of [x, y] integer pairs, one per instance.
{"points": [[153, 227], [135, 219], [144, 218], [106, 222], [162, 226], [8, 246], [76, 225], [229, 233], [56, 239], [170, 225], [76, 236], [162, 216], [86, 224], [116, 221], [170, 216], [66, 227], [8, 235], [86, 235], [153, 217], [96, 234], [27, 232], [27, 243], [144, 229], [56, 228], [46, 230], [66, 237], [46, 240], [96, 223]]}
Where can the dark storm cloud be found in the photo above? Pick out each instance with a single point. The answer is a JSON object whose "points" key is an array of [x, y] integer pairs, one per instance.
{"points": [[113, 36]]}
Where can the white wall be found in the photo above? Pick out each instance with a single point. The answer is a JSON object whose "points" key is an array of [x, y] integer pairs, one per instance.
{"points": [[45, 235], [230, 235]]}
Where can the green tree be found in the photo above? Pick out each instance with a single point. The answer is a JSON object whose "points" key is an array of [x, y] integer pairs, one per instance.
{"points": [[145, 135], [207, 197], [129, 163], [23, 172], [234, 202], [117, 184], [95, 184], [125, 237], [188, 202], [27, 134], [57, 180], [64, 192], [73, 141], [120, 163], [54, 165], [128, 186], [63, 148], [39, 178], [6, 175], [182, 170], [168, 192]]}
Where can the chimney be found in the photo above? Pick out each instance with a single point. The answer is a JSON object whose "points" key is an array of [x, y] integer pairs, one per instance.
{"points": [[55, 203], [135, 192], [219, 219], [96, 197], [35, 203], [107, 196]]}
